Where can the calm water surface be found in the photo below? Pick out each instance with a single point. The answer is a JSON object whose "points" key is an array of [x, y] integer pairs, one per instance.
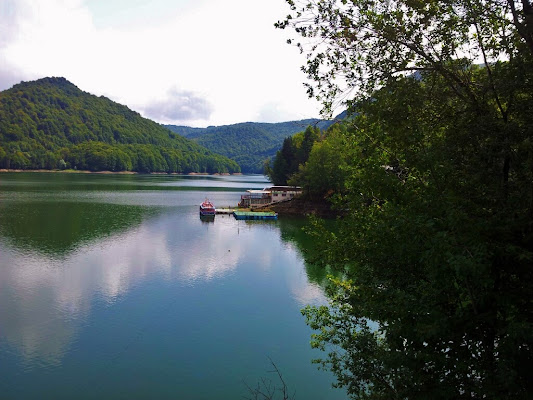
{"points": [[112, 287]]}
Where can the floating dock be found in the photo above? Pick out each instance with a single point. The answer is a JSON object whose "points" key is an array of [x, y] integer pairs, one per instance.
{"points": [[255, 215], [225, 210]]}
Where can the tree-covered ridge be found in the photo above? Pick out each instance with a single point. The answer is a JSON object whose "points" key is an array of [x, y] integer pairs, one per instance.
{"points": [[50, 123], [248, 143]]}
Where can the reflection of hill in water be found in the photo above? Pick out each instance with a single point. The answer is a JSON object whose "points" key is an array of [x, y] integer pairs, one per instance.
{"points": [[55, 228]]}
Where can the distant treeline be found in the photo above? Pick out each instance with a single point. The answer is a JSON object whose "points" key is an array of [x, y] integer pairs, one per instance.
{"points": [[50, 123], [250, 144], [315, 160]]}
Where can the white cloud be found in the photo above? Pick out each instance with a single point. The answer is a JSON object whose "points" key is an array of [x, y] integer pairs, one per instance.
{"points": [[178, 107], [229, 52]]}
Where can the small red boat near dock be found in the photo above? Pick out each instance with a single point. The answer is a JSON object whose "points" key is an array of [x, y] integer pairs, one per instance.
{"points": [[207, 208]]}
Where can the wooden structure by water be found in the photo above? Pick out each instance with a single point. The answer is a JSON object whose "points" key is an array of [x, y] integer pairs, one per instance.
{"points": [[265, 215], [246, 213], [225, 210]]}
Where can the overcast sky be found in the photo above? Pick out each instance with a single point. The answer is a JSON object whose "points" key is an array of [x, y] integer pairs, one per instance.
{"points": [[185, 62]]}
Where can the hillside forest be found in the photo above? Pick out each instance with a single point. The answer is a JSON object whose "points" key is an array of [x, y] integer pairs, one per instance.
{"points": [[51, 124], [250, 144]]}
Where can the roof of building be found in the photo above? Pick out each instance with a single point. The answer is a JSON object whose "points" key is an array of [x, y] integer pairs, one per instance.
{"points": [[285, 188], [256, 191]]}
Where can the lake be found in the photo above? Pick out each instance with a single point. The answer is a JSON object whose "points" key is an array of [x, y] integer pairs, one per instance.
{"points": [[112, 287]]}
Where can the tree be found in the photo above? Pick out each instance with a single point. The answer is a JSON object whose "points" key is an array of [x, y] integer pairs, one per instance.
{"points": [[294, 152], [437, 241], [49, 119], [285, 163], [361, 45], [309, 137], [323, 172]]}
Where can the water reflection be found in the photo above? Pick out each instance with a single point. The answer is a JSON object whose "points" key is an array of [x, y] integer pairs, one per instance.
{"points": [[126, 262], [54, 228], [51, 292], [293, 233], [48, 182], [50, 296]]}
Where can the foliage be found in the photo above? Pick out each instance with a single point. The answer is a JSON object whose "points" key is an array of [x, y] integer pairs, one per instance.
{"points": [[284, 164], [49, 120], [437, 241], [360, 45], [315, 160], [250, 144], [294, 152], [323, 173]]}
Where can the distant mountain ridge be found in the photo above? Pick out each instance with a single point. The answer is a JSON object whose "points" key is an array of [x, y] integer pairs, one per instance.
{"points": [[249, 143], [50, 123]]}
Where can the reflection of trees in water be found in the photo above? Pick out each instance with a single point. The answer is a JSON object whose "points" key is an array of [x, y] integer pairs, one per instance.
{"points": [[59, 227], [293, 231], [50, 295]]}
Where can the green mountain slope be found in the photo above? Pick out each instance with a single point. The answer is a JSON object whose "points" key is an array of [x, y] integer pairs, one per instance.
{"points": [[248, 143], [50, 123]]}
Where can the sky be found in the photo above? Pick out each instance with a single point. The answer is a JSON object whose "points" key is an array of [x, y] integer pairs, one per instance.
{"points": [[183, 62]]}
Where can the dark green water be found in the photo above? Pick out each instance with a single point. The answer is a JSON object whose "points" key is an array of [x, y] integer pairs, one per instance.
{"points": [[112, 287]]}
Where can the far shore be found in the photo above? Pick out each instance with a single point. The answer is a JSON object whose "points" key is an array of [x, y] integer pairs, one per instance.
{"points": [[77, 171]]}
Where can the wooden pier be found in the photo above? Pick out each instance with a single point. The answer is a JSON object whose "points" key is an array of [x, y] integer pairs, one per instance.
{"points": [[225, 210], [247, 213]]}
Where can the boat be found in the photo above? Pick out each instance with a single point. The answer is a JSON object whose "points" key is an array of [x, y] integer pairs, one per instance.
{"points": [[207, 208]]}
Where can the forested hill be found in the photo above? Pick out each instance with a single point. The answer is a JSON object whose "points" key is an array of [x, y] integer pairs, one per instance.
{"points": [[50, 123], [248, 143]]}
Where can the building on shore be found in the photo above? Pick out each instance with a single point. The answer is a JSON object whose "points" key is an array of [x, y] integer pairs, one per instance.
{"points": [[274, 194], [254, 198]]}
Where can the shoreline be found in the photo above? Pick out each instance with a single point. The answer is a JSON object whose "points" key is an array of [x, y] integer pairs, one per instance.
{"points": [[79, 171], [295, 207], [302, 207]]}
